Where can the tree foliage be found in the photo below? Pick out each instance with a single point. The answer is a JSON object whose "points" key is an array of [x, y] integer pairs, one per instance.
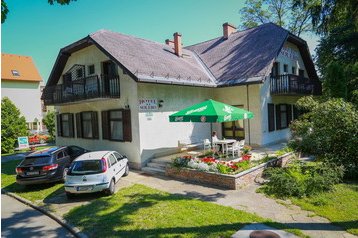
{"points": [[281, 12], [5, 10], [13, 125], [328, 130], [49, 121]]}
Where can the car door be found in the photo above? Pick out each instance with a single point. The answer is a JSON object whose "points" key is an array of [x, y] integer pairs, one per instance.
{"points": [[114, 169], [121, 163], [62, 159]]}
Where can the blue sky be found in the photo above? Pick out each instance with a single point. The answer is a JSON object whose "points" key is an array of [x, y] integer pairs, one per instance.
{"points": [[38, 29]]}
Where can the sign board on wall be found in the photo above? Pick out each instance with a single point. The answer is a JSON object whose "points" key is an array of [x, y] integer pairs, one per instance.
{"points": [[148, 105], [23, 142]]}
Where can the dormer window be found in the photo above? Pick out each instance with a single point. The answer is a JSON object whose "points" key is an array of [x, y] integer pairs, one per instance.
{"points": [[15, 72]]}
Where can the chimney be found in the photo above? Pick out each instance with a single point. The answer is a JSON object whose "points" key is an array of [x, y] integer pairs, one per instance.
{"points": [[169, 42], [228, 29], [177, 44]]}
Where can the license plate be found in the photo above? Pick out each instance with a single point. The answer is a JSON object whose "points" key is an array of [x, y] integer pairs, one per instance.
{"points": [[32, 173], [84, 188]]}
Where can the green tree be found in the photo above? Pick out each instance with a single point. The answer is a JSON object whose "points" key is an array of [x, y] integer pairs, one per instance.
{"points": [[5, 10], [329, 130], [49, 122], [335, 85], [281, 12], [13, 125]]}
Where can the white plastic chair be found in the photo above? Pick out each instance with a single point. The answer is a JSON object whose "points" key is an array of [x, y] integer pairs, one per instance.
{"points": [[236, 146], [207, 144]]}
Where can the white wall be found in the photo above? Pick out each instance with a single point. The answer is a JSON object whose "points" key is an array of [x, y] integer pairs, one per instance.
{"points": [[26, 96], [157, 134]]}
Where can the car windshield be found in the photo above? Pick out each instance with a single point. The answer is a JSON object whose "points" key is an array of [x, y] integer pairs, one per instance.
{"points": [[36, 160], [87, 167]]}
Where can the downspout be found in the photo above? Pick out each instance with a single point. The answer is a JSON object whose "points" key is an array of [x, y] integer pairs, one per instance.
{"points": [[248, 108]]}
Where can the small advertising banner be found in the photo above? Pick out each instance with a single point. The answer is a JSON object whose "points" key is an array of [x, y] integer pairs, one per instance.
{"points": [[23, 142], [148, 105]]}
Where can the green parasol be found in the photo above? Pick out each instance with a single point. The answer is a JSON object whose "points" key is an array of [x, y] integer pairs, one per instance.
{"points": [[210, 111]]}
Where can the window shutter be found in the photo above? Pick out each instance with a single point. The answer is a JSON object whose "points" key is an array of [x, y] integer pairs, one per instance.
{"points": [[71, 125], [95, 125], [105, 125], [295, 112], [278, 117], [271, 116], [127, 128], [59, 127], [289, 114], [79, 125]]}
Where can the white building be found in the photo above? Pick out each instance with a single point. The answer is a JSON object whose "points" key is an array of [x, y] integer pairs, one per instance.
{"points": [[20, 82], [114, 91]]}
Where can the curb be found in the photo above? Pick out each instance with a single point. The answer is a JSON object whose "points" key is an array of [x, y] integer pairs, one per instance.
{"points": [[72, 229]]}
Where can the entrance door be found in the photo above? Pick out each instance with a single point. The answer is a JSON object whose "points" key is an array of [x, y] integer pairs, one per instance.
{"points": [[234, 129]]}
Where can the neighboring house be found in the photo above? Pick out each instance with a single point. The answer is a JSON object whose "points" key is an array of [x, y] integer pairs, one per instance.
{"points": [[114, 91], [20, 82]]}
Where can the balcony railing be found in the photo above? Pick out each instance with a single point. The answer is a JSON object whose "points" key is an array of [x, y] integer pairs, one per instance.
{"points": [[87, 88], [289, 84]]}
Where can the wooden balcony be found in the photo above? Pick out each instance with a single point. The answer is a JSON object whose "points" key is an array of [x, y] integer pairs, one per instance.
{"points": [[90, 87], [289, 84]]}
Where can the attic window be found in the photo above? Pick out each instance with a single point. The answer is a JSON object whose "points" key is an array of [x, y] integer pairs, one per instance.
{"points": [[15, 72]]}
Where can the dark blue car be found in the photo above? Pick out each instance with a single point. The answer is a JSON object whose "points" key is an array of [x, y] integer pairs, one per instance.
{"points": [[47, 166]]}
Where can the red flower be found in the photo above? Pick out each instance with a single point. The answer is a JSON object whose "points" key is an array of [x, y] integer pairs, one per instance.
{"points": [[208, 160]]}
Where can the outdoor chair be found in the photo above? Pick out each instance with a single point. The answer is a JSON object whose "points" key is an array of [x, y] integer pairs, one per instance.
{"points": [[207, 144], [236, 147]]}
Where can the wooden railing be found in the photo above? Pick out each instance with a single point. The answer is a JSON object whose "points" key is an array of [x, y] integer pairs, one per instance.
{"points": [[87, 88], [289, 84]]}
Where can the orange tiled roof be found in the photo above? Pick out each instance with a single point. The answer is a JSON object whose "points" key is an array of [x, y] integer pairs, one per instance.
{"points": [[18, 67]]}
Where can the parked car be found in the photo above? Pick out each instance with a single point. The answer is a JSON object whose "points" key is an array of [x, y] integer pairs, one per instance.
{"points": [[95, 172], [47, 166]]}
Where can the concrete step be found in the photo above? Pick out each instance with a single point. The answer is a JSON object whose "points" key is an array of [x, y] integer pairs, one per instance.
{"points": [[162, 160], [151, 170], [157, 165]]}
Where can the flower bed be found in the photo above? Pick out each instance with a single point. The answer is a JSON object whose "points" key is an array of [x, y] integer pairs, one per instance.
{"points": [[210, 170]]}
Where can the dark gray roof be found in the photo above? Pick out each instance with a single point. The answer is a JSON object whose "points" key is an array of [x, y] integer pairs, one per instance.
{"points": [[152, 61], [246, 56]]}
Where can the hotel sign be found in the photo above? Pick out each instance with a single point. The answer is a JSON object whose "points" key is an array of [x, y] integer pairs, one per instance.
{"points": [[148, 105], [289, 53]]}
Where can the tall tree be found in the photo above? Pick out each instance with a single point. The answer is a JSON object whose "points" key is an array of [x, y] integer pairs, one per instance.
{"points": [[49, 121], [284, 13], [5, 10], [13, 125]]}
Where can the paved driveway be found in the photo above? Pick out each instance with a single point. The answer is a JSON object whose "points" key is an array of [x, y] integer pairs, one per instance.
{"points": [[19, 220]]}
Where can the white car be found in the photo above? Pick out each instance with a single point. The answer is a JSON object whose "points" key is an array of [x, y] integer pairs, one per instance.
{"points": [[95, 172]]}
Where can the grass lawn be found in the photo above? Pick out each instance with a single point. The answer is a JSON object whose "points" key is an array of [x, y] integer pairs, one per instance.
{"points": [[36, 193], [140, 211], [26, 150], [339, 206]]}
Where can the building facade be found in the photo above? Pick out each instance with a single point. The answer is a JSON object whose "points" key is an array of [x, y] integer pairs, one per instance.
{"points": [[116, 92], [20, 82]]}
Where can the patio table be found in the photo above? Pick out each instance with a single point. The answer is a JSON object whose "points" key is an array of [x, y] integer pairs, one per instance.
{"points": [[225, 143]]}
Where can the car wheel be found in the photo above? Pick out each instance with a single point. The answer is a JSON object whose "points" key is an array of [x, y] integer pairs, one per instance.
{"points": [[70, 195], [126, 172], [111, 188]]}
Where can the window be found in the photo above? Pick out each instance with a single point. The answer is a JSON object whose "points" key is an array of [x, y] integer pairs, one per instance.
{"points": [[87, 125], [293, 70], [271, 116], [65, 127], [79, 73], [118, 156], [91, 69], [301, 73], [116, 125], [15, 72], [285, 68], [112, 160], [60, 155], [275, 71], [283, 115]]}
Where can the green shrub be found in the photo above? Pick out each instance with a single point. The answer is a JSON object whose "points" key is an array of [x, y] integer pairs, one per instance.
{"points": [[224, 169], [302, 179], [180, 162], [329, 130], [243, 165]]}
